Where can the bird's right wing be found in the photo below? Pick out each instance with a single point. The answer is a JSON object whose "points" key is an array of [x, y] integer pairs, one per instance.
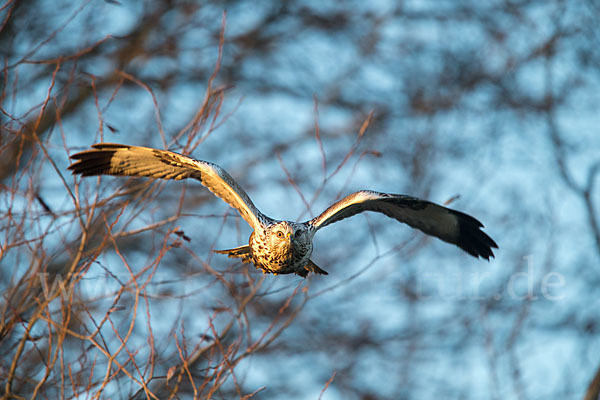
{"points": [[124, 160], [449, 225]]}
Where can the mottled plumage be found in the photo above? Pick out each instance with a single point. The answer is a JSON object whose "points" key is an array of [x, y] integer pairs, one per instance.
{"points": [[283, 247]]}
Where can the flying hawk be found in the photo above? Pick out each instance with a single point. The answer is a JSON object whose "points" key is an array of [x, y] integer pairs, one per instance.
{"points": [[283, 247]]}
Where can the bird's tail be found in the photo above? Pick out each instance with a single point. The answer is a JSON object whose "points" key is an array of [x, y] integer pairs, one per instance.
{"points": [[242, 252], [311, 267]]}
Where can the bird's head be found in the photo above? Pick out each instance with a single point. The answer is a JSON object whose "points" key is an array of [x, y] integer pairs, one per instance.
{"points": [[282, 243], [280, 236]]}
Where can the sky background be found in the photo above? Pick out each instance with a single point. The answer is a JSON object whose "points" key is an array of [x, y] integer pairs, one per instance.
{"points": [[493, 105]]}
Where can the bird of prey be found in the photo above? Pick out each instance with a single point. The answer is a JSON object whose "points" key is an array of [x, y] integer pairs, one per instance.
{"points": [[283, 247]]}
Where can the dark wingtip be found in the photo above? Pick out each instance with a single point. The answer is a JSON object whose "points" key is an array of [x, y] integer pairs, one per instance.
{"points": [[95, 161], [472, 239]]}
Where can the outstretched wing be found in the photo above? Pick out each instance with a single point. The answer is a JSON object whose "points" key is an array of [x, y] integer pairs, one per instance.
{"points": [[449, 225], [119, 159]]}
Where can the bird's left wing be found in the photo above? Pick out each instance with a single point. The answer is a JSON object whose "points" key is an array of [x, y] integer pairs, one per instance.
{"points": [[449, 225], [124, 160]]}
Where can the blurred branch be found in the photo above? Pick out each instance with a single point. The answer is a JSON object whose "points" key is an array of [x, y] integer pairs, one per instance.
{"points": [[593, 390], [586, 191]]}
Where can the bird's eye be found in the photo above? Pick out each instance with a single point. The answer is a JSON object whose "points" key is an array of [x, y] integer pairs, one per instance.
{"points": [[298, 233], [279, 234]]}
